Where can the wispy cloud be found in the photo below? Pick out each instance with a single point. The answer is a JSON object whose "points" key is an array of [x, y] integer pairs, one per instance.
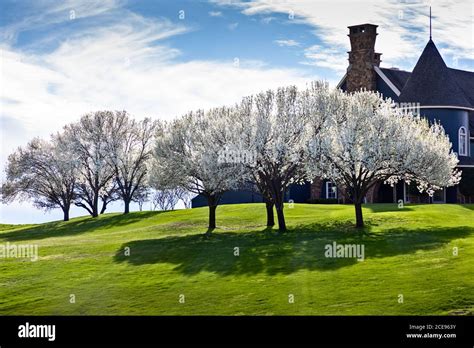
{"points": [[215, 13], [233, 26], [317, 55], [268, 20], [288, 43], [40, 14]]}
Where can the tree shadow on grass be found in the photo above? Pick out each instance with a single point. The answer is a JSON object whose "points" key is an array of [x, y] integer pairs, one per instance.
{"points": [[387, 207], [75, 227], [468, 206], [273, 253]]}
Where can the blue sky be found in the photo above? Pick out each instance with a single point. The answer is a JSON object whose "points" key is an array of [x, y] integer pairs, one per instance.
{"points": [[61, 59]]}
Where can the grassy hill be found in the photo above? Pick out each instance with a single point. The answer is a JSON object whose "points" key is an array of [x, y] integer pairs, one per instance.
{"points": [[408, 252]]}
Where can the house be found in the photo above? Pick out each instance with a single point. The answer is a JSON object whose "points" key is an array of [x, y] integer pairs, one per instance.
{"points": [[437, 91]]}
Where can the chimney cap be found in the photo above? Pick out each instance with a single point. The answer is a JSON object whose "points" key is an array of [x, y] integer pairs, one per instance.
{"points": [[363, 25]]}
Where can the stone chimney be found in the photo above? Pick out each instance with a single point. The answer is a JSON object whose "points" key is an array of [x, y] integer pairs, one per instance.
{"points": [[362, 58]]}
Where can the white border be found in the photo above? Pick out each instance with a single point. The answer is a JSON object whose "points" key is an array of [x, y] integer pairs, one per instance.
{"points": [[387, 80], [342, 81], [446, 107]]}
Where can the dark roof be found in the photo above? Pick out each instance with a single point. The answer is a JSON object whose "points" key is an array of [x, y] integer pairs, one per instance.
{"points": [[465, 80], [396, 76], [433, 83]]}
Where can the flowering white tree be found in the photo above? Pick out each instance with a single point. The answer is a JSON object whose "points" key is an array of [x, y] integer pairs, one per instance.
{"points": [[241, 150], [368, 140], [184, 196], [109, 193], [88, 141], [165, 199], [187, 156], [43, 172], [272, 127], [129, 150]]}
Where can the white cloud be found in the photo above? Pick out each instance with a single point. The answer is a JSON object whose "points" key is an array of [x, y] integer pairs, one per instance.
{"points": [[325, 58], [215, 13], [289, 43], [233, 26], [267, 20]]}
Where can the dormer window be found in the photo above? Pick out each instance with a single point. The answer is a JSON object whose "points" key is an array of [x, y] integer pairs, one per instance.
{"points": [[462, 141]]}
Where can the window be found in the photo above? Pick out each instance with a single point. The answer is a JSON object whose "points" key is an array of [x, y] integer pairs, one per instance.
{"points": [[462, 142], [331, 190]]}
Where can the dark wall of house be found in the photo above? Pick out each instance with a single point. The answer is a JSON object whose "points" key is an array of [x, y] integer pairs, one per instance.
{"points": [[230, 197], [385, 194], [400, 190], [451, 120], [451, 194], [297, 193], [471, 131]]}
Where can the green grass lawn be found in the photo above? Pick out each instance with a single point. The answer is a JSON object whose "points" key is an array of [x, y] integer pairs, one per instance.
{"points": [[408, 252]]}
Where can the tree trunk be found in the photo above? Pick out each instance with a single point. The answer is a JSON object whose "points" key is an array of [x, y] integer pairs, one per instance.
{"points": [[66, 214], [212, 203], [127, 206], [95, 205], [104, 207], [359, 216], [278, 199], [281, 219], [270, 215], [279, 205], [212, 216]]}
